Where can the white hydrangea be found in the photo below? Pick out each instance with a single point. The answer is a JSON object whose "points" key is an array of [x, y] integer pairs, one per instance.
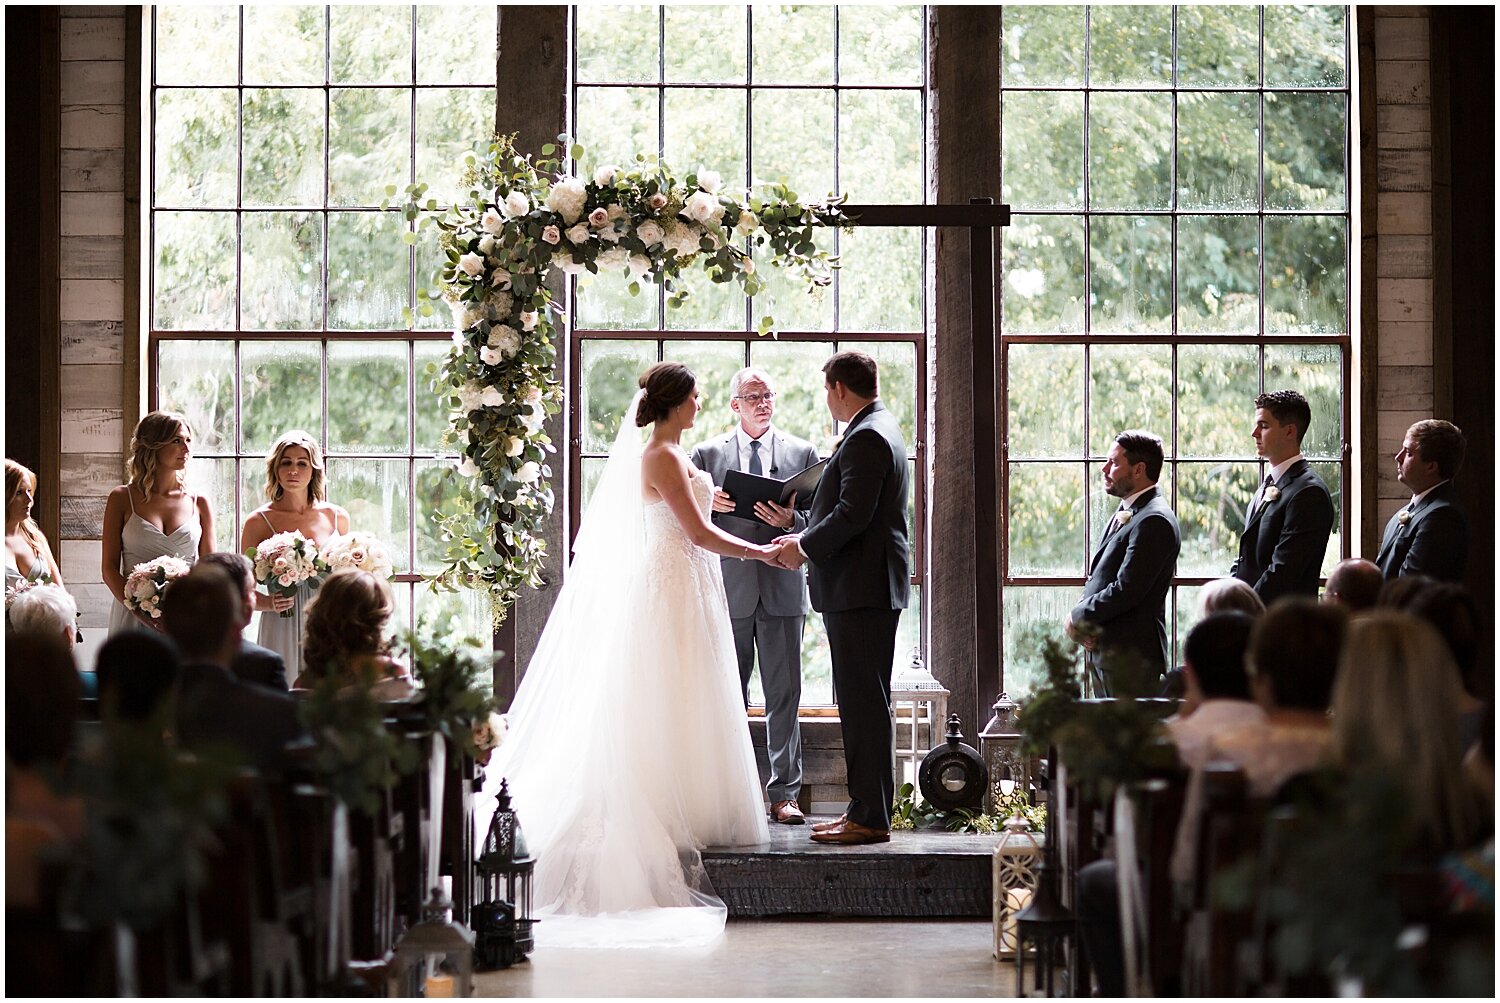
{"points": [[500, 305], [504, 339], [469, 396], [682, 238], [613, 259], [567, 198], [639, 265], [466, 315]]}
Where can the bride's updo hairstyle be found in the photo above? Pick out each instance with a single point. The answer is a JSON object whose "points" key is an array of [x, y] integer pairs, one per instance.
{"points": [[667, 384]]}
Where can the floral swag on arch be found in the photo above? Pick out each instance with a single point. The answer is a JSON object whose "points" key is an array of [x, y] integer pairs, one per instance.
{"points": [[524, 226]]}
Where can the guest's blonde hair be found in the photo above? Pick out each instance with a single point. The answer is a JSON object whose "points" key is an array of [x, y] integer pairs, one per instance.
{"points": [[15, 476], [346, 623], [316, 485], [154, 431], [1396, 704], [1226, 595]]}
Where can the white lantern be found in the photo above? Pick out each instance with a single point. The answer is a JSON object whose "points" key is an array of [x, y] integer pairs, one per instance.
{"points": [[1014, 881], [920, 703]]}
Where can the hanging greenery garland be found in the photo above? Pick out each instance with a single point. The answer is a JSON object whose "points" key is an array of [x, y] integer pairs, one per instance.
{"points": [[523, 225]]}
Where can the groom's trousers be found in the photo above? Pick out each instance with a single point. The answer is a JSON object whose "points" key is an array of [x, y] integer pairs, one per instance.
{"points": [[862, 643], [779, 641]]}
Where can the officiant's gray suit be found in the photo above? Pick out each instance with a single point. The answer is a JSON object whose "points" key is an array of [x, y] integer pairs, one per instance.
{"points": [[767, 605]]}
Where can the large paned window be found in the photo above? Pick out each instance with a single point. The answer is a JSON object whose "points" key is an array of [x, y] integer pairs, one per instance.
{"points": [[279, 292], [1181, 242], [828, 98]]}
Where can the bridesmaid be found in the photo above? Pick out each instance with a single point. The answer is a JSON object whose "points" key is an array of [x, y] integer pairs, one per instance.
{"points": [[296, 487], [153, 514], [27, 555]]}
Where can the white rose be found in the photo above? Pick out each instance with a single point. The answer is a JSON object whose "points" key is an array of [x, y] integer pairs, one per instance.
{"points": [[709, 181], [501, 279], [567, 198], [529, 472], [493, 222], [491, 397], [489, 356], [515, 445], [528, 320], [650, 233], [579, 234], [486, 244], [552, 235], [516, 204], [747, 222], [702, 207], [564, 261], [639, 265], [604, 175], [613, 259], [468, 467], [471, 265]]}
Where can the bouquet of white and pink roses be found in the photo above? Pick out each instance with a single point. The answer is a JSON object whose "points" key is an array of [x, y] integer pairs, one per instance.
{"points": [[14, 592], [148, 582], [284, 561], [358, 550]]}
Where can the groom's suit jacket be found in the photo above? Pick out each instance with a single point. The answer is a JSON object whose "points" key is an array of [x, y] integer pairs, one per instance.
{"points": [[1281, 550], [749, 582], [856, 540], [1433, 542], [1126, 596]]}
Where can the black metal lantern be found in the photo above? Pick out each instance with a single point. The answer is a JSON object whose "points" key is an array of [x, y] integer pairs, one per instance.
{"points": [[952, 775], [1000, 745], [1047, 925], [502, 920]]}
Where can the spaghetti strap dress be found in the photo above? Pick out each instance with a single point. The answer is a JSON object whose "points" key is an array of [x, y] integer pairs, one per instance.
{"points": [[283, 634], [141, 541]]}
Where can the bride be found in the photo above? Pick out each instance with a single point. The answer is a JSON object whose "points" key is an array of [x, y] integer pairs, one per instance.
{"points": [[627, 750]]}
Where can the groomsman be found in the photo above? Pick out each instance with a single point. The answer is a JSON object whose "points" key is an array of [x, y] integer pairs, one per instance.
{"points": [[859, 570], [1430, 536], [1125, 598], [1291, 515], [767, 605]]}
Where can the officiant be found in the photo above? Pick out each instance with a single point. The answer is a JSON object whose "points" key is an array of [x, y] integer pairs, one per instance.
{"points": [[767, 605]]}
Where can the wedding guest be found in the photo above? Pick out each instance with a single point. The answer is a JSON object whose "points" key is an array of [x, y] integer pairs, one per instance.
{"points": [[1394, 707], [136, 672], [1354, 584], [252, 663], [1452, 611], [200, 612], [48, 611], [767, 604], [296, 486], [1123, 612], [1222, 595], [1218, 688], [1291, 516], [153, 514], [1430, 536], [346, 636], [25, 544]]}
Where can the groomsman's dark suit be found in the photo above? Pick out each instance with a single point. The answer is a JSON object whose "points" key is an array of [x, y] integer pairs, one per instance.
{"points": [[767, 605], [1281, 550], [859, 571], [261, 666], [1126, 595], [1433, 542]]}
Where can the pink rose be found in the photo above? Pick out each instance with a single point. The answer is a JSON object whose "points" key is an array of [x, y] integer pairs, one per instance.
{"points": [[599, 217], [657, 201], [552, 235]]}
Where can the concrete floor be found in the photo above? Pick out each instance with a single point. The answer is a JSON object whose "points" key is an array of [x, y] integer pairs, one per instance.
{"points": [[765, 958]]}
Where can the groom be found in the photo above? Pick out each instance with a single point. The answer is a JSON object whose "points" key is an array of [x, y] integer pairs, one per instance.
{"points": [[859, 569]]}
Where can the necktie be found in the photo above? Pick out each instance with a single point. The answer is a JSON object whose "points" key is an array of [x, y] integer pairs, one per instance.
{"points": [[755, 467], [1114, 523], [1260, 496]]}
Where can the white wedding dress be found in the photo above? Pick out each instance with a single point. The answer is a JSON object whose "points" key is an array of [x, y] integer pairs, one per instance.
{"points": [[627, 750]]}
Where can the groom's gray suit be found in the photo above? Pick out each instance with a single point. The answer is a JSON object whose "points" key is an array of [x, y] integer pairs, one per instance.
{"points": [[767, 605]]}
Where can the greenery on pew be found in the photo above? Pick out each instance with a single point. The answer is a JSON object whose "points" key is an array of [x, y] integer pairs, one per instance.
{"points": [[457, 691], [358, 756]]}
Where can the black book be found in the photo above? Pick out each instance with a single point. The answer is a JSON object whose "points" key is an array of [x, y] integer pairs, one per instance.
{"points": [[747, 489]]}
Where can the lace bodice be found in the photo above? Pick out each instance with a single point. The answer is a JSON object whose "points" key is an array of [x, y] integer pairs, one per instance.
{"points": [[674, 563], [662, 525]]}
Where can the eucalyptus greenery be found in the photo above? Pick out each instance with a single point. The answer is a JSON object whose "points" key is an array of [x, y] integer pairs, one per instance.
{"points": [[508, 244], [456, 687], [151, 812], [910, 812], [357, 755]]}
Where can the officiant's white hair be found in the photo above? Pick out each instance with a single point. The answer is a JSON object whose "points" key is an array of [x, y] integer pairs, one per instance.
{"points": [[746, 375]]}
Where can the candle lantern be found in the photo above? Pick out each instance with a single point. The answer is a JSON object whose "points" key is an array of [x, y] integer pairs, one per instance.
{"points": [[1014, 881], [919, 700], [438, 950], [1000, 745], [503, 920]]}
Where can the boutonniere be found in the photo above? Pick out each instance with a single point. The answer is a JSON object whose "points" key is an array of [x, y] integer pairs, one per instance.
{"points": [[1272, 493], [1404, 516], [1124, 516]]}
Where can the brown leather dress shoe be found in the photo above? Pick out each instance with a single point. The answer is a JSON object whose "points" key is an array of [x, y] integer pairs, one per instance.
{"points": [[852, 834], [787, 813], [825, 826]]}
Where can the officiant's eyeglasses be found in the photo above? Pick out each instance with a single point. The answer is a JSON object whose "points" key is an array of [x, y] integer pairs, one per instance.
{"points": [[753, 399]]}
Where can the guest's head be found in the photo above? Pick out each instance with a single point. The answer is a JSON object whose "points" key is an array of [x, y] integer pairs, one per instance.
{"points": [[852, 380], [1431, 453], [294, 465], [42, 690], [1294, 655], [201, 612], [1401, 593], [1396, 704], [1452, 611], [47, 611], [20, 494], [136, 670], [1281, 420], [160, 448], [1214, 657], [346, 622], [1229, 595], [670, 395], [752, 398], [242, 573], [1354, 584], [1133, 464]]}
